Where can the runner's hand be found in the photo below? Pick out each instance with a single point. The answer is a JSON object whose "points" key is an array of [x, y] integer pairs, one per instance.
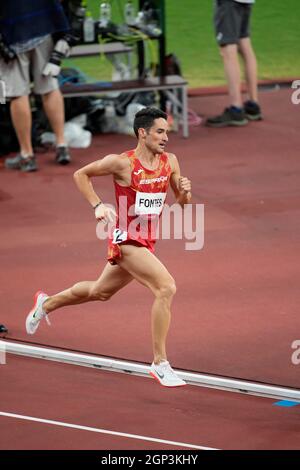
{"points": [[184, 185], [105, 214]]}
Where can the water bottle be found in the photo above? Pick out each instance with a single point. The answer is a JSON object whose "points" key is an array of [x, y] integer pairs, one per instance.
{"points": [[88, 28], [105, 14], [140, 19], [129, 13]]}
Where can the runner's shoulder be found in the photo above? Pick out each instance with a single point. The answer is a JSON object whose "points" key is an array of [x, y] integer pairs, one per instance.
{"points": [[172, 159], [118, 161]]}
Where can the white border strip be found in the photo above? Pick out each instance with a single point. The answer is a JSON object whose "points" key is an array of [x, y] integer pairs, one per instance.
{"points": [[114, 365], [104, 431]]}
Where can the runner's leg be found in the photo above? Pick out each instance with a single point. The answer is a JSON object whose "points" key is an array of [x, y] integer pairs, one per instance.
{"points": [[149, 271], [112, 279]]}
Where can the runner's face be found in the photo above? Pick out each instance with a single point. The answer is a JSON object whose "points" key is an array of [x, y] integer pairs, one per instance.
{"points": [[157, 136]]}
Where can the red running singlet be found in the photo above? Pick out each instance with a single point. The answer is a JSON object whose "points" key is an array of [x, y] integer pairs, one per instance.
{"points": [[139, 205]]}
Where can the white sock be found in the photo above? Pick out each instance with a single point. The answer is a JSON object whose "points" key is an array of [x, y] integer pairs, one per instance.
{"points": [[26, 155]]}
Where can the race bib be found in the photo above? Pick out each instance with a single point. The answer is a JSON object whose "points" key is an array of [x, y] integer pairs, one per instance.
{"points": [[119, 236], [149, 203]]}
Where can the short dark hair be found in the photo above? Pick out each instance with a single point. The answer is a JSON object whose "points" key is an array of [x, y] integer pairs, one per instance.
{"points": [[145, 118]]}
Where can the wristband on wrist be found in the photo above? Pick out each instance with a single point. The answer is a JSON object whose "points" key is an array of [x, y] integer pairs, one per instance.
{"points": [[97, 205]]}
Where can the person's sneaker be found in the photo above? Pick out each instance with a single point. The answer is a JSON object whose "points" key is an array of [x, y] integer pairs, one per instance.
{"points": [[3, 329], [37, 313], [19, 162], [253, 111], [230, 117], [62, 155], [165, 375]]}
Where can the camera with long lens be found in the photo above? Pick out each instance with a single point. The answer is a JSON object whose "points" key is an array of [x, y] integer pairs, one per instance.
{"points": [[75, 13], [148, 20], [6, 52]]}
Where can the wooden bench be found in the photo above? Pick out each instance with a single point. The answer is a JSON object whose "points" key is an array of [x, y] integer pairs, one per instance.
{"points": [[174, 86]]}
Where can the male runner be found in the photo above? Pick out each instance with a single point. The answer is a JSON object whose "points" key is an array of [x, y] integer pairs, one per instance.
{"points": [[141, 179]]}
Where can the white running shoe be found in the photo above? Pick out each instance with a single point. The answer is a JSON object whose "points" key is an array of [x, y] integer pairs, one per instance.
{"points": [[37, 313], [165, 375]]}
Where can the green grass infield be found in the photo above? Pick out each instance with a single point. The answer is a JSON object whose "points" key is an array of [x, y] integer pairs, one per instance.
{"points": [[275, 32]]}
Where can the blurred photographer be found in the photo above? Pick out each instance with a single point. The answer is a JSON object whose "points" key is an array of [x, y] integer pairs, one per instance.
{"points": [[34, 39]]}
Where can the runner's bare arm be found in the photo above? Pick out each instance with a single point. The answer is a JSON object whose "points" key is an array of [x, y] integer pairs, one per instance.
{"points": [[109, 165], [180, 185]]}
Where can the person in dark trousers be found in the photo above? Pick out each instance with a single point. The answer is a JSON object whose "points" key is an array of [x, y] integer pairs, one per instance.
{"points": [[232, 27], [34, 38]]}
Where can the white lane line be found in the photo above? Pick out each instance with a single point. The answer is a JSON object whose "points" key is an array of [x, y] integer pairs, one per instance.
{"points": [[104, 431]]}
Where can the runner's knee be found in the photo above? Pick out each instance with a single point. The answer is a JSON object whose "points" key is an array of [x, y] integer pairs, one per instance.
{"points": [[167, 289], [96, 294]]}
